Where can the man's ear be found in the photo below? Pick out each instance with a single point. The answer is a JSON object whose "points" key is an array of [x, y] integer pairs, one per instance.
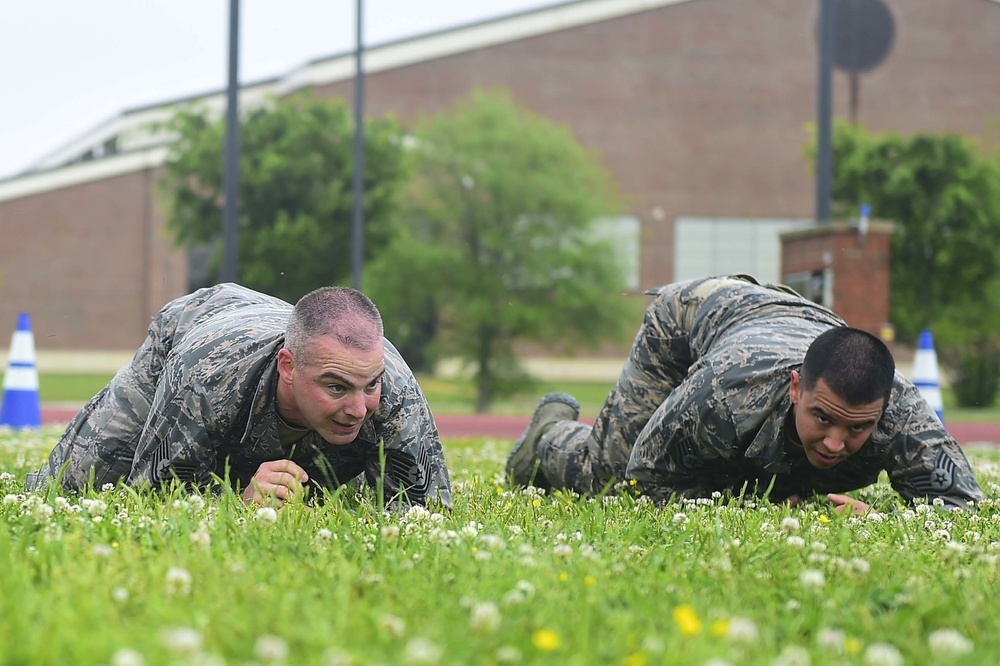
{"points": [[795, 387], [286, 365]]}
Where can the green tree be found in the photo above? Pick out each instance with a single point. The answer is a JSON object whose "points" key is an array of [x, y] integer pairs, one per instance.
{"points": [[500, 246], [943, 194], [296, 165]]}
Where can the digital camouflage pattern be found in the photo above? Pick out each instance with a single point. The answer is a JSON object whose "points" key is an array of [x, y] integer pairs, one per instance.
{"points": [[198, 404], [701, 404]]}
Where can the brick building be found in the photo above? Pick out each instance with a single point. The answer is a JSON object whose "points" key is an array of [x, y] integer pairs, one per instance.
{"points": [[698, 107]]}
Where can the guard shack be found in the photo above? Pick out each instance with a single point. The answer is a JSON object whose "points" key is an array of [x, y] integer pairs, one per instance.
{"points": [[845, 266]]}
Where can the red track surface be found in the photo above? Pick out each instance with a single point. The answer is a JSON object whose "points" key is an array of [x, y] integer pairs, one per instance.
{"points": [[511, 427]]}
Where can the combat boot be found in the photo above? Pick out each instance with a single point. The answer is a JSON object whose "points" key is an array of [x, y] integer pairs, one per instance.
{"points": [[552, 408]]}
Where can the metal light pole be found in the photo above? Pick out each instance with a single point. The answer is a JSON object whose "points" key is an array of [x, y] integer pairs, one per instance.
{"points": [[824, 159], [358, 214], [231, 166]]}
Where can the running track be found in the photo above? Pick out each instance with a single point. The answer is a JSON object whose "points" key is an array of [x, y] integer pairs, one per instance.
{"points": [[511, 427]]}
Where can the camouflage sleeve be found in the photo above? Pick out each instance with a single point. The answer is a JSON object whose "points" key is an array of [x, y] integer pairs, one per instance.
{"points": [[175, 442], [681, 445], [415, 468], [924, 461]]}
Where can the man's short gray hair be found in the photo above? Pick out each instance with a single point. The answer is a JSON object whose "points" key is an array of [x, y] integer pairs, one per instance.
{"points": [[341, 312]]}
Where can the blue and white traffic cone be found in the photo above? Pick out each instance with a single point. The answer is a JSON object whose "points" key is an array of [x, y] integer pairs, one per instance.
{"points": [[925, 373], [21, 406]]}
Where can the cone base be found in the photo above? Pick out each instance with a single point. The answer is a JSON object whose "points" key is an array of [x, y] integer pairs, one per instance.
{"points": [[21, 409]]}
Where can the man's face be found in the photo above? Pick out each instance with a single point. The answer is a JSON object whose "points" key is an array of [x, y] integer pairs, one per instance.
{"points": [[336, 392], [830, 429]]}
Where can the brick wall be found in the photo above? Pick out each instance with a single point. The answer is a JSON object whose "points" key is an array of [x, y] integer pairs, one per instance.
{"points": [[699, 109]]}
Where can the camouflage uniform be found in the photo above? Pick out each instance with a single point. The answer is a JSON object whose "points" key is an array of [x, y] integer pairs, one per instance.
{"points": [[701, 404], [199, 399]]}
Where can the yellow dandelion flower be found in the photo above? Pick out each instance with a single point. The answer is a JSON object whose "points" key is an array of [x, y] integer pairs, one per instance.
{"points": [[824, 519], [536, 502], [545, 639], [632, 482], [589, 580], [563, 576], [852, 646], [635, 659], [719, 628], [687, 620], [499, 490]]}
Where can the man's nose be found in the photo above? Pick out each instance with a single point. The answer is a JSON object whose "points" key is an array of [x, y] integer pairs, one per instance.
{"points": [[835, 440], [356, 404]]}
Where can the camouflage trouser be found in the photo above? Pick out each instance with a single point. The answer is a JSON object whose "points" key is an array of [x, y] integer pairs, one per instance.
{"points": [[575, 456], [101, 439]]}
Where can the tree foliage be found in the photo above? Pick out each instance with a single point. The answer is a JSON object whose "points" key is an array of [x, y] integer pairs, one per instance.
{"points": [[296, 170], [943, 195], [500, 245]]}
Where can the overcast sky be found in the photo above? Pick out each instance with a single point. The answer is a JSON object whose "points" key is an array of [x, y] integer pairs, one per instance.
{"points": [[68, 65]]}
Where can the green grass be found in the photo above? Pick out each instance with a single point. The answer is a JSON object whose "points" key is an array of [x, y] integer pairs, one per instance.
{"points": [[457, 396], [509, 576]]}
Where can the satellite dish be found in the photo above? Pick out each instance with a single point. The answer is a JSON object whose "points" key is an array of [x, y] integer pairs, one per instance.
{"points": [[864, 32]]}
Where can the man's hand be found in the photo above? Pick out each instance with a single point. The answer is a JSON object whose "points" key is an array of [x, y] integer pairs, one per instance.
{"points": [[275, 482], [845, 503]]}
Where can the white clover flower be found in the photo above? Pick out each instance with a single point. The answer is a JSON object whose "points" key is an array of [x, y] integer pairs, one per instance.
{"points": [[101, 550], [717, 661], [790, 524], [94, 507], [938, 501], [195, 502], [507, 654], [947, 642], [742, 630], [119, 594], [833, 640], [181, 640], [390, 533], [680, 519], [484, 617], [127, 657], [875, 517], [882, 654], [266, 515], [200, 538], [562, 550], [792, 655], [515, 530], [270, 648], [795, 541], [178, 582], [422, 651], [493, 541], [471, 529], [323, 534], [860, 565], [6, 477], [392, 625], [812, 578]]}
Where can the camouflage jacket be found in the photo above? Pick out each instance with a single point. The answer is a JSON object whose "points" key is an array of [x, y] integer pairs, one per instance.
{"points": [[722, 428], [204, 386]]}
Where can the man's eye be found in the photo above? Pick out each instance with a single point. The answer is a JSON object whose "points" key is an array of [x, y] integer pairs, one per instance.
{"points": [[335, 388]]}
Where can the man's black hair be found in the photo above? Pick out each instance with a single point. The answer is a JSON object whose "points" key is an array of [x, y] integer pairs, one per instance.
{"points": [[854, 364]]}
